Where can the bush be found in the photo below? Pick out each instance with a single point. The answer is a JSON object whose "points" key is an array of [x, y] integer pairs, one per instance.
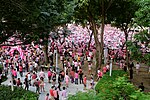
{"points": [[107, 80], [115, 87], [4, 78], [17, 94]]}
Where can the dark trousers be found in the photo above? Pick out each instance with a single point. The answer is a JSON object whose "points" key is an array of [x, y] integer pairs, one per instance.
{"points": [[76, 80]]}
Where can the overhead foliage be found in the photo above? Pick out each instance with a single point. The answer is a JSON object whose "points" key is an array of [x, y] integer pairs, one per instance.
{"points": [[135, 47], [33, 19], [142, 14]]}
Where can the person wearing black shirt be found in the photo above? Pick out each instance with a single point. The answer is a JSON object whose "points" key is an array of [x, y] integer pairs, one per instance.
{"points": [[132, 65], [141, 87], [131, 73]]}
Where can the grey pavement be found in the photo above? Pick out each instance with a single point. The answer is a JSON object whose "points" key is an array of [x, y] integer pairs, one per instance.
{"points": [[72, 89]]}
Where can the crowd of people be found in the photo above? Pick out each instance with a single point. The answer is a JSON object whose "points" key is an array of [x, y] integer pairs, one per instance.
{"points": [[73, 56]]}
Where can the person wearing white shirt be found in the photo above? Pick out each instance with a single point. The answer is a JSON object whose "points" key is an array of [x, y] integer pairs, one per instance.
{"points": [[137, 67]]}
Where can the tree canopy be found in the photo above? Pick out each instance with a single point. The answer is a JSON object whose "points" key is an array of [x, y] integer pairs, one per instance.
{"points": [[33, 19]]}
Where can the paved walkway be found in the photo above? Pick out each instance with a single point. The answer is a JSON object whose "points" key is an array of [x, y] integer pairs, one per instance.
{"points": [[72, 89]]}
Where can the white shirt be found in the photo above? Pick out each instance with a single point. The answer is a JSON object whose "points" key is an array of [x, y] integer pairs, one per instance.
{"points": [[137, 66]]}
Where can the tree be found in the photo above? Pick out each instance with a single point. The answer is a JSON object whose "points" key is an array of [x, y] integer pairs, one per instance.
{"points": [[33, 20], [93, 12], [121, 15], [139, 48], [16, 15], [54, 13], [142, 14]]}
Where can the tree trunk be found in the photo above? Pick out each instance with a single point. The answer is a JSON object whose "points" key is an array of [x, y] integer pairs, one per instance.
{"points": [[46, 54], [97, 43], [45, 42], [127, 55], [90, 40], [101, 35]]}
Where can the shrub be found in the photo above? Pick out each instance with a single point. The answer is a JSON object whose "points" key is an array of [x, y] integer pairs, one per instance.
{"points": [[17, 94], [115, 87]]}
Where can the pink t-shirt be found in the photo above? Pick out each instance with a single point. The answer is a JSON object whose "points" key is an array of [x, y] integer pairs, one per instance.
{"points": [[104, 69], [55, 93], [14, 73], [76, 75], [49, 74]]}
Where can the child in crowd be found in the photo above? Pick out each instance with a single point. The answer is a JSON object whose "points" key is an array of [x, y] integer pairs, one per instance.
{"points": [[47, 97]]}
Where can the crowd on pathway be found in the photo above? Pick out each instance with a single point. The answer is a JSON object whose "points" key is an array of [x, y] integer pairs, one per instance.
{"points": [[29, 61], [33, 68]]}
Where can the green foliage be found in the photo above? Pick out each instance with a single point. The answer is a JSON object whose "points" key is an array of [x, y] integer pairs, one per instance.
{"points": [[142, 14], [142, 36], [90, 95], [134, 48], [33, 20], [107, 81], [17, 94], [115, 87]]}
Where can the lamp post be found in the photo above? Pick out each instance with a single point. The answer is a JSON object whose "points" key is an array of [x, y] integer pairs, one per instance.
{"points": [[110, 67], [12, 85], [56, 60], [105, 54]]}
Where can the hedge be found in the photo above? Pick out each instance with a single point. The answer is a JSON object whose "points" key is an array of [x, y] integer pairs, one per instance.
{"points": [[116, 87], [4, 78], [17, 94], [107, 80]]}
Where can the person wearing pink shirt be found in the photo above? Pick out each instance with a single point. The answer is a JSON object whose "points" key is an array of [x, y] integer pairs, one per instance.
{"points": [[56, 95], [104, 69], [47, 97], [64, 94], [72, 74], [14, 72], [67, 79], [41, 74], [49, 73]]}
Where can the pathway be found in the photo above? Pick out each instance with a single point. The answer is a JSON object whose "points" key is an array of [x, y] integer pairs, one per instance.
{"points": [[72, 89]]}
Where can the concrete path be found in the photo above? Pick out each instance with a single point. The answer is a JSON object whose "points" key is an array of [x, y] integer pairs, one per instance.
{"points": [[72, 89]]}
